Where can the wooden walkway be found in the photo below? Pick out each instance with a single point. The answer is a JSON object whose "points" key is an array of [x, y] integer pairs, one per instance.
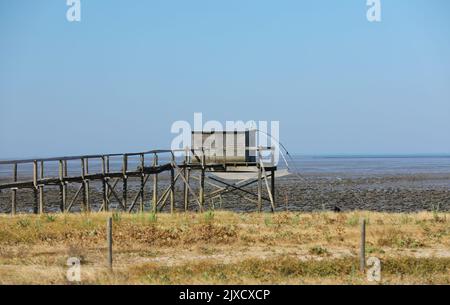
{"points": [[148, 167]]}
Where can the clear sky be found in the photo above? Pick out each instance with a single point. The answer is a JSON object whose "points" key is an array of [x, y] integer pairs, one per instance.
{"points": [[116, 81]]}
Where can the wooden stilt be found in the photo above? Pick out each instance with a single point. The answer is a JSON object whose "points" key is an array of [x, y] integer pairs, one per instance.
{"points": [[104, 190], [41, 189], [202, 190], [269, 190], [155, 185], [186, 189], [87, 187], [259, 190], [62, 187], [83, 186], [14, 191], [172, 191], [272, 185], [106, 185], [141, 202], [125, 181], [202, 182]]}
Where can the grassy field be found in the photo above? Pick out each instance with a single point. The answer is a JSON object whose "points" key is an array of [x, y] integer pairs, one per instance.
{"points": [[225, 248]]}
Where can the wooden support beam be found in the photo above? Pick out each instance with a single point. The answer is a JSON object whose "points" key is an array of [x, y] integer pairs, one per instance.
{"points": [[62, 186], [272, 205], [141, 202], [105, 201], [155, 185], [35, 187], [14, 191], [186, 183], [87, 183], [116, 196], [83, 183], [186, 188], [74, 198], [272, 187], [202, 190], [133, 203], [172, 191], [259, 190], [109, 187], [239, 188], [41, 189], [125, 181]]}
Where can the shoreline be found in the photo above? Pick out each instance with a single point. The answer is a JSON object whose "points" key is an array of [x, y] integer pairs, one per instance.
{"points": [[395, 193]]}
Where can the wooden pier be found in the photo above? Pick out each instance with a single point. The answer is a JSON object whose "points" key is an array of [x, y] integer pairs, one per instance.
{"points": [[151, 164]]}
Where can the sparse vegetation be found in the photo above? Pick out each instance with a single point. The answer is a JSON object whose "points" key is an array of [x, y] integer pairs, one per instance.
{"points": [[225, 247]]}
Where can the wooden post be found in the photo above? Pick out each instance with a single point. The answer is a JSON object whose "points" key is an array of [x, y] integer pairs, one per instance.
{"points": [[87, 186], [272, 185], [202, 181], [35, 187], [109, 240], [41, 189], [125, 181], [65, 168], [104, 186], [141, 202], [14, 191], [259, 190], [155, 185], [62, 186], [83, 183], [172, 190], [202, 189], [186, 179], [186, 188], [362, 247]]}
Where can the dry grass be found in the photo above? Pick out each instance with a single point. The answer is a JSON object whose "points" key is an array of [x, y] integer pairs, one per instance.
{"points": [[225, 247]]}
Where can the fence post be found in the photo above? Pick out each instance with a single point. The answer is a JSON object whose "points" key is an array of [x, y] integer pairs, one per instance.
{"points": [[362, 250]]}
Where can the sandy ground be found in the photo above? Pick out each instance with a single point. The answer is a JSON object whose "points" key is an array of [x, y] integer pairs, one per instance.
{"points": [[226, 247]]}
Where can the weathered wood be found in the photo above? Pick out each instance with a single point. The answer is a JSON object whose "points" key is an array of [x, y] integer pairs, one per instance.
{"points": [[125, 181], [183, 171], [62, 186], [74, 198], [272, 186], [80, 179], [202, 190], [87, 186], [141, 202], [14, 192], [186, 189], [36, 200], [41, 189], [172, 191], [83, 183], [259, 190], [239, 188], [35, 174], [138, 195], [362, 247], [105, 203], [186, 183], [116, 196], [272, 204], [155, 185]]}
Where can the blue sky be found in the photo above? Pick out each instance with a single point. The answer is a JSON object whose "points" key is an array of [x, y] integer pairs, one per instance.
{"points": [[116, 81]]}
